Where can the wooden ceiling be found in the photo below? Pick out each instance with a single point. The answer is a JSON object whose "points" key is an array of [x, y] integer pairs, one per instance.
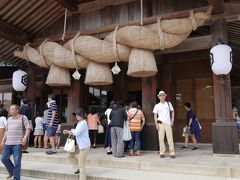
{"points": [[22, 20]]}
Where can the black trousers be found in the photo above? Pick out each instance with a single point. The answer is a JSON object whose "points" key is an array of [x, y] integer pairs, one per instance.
{"points": [[93, 136]]}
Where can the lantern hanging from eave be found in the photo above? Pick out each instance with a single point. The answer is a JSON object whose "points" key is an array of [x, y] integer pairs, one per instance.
{"points": [[221, 59], [19, 80]]}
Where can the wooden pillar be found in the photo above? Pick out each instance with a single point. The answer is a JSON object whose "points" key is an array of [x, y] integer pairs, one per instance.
{"points": [[77, 96], [45, 91], [149, 135], [120, 89], [166, 79], [73, 99], [225, 137], [32, 87]]}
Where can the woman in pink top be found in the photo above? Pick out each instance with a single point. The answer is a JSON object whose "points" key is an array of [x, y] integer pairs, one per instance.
{"points": [[93, 121]]}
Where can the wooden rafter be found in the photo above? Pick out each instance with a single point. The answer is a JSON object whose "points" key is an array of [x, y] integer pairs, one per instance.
{"points": [[100, 4], [13, 34], [190, 44], [71, 5]]}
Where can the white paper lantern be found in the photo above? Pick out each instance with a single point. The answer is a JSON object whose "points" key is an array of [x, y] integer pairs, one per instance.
{"points": [[221, 59], [19, 80]]}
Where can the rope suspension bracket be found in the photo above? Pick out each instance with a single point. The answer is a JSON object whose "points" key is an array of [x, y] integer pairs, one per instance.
{"points": [[116, 69]]}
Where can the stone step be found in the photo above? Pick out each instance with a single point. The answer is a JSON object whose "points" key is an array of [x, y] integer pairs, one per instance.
{"points": [[52, 171], [187, 162], [3, 176]]}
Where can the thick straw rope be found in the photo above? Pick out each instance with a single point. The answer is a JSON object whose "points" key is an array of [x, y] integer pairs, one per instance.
{"points": [[41, 52], [24, 52], [194, 24], [65, 24], [160, 34], [73, 52]]}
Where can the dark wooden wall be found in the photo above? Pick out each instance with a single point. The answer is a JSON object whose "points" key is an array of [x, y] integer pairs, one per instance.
{"points": [[112, 15]]}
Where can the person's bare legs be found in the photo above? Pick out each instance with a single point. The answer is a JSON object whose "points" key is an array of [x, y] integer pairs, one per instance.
{"points": [[194, 140], [35, 141], [52, 142], [39, 141], [45, 140], [186, 140]]}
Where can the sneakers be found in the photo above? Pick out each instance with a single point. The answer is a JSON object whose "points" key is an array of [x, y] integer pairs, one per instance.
{"points": [[131, 153], [171, 156], [9, 176], [183, 147], [50, 152], [77, 172], [195, 148], [109, 153]]}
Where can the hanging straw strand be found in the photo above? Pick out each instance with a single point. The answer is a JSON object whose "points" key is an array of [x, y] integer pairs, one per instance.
{"points": [[160, 34], [115, 49], [141, 22], [65, 24], [194, 24], [73, 52]]}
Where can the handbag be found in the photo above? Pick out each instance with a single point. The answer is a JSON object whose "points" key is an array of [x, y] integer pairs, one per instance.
{"points": [[100, 129], [183, 132], [127, 136], [70, 144]]}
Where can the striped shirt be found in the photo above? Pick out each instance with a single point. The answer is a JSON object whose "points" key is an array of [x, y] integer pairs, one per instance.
{"points": [[15, 130], [135, 123], [53, 108]]}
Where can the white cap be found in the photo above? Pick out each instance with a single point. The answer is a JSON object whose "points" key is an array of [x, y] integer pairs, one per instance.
{"points": [[162, 93]]}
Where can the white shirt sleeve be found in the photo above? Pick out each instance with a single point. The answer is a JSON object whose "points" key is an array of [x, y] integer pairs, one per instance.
{"points": [[5, 122], [171, 107], [155, 110], [79, 129]]}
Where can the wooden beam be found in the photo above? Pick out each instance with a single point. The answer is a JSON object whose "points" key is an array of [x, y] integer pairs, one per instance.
{"points": [[230, 14], [71, 5], [190, 44], [218, 6], [100, 4], [13, 34]]}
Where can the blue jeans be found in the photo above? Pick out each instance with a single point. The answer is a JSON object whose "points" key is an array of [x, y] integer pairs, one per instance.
{"points": [[238, 126], [135, 137], [16, 151]]}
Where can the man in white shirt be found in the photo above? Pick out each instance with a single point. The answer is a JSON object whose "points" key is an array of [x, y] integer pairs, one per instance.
{"points": [[164, 119]]}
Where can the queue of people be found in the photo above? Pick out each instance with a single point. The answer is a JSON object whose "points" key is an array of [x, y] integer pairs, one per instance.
{"points": [[119, 118]]}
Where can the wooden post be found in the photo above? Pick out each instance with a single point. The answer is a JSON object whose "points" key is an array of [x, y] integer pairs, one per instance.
{"points": [[225, 137], [166, 79], [149, 135], [45, 91], [120, 89], [32, 87], [73, 99]]}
